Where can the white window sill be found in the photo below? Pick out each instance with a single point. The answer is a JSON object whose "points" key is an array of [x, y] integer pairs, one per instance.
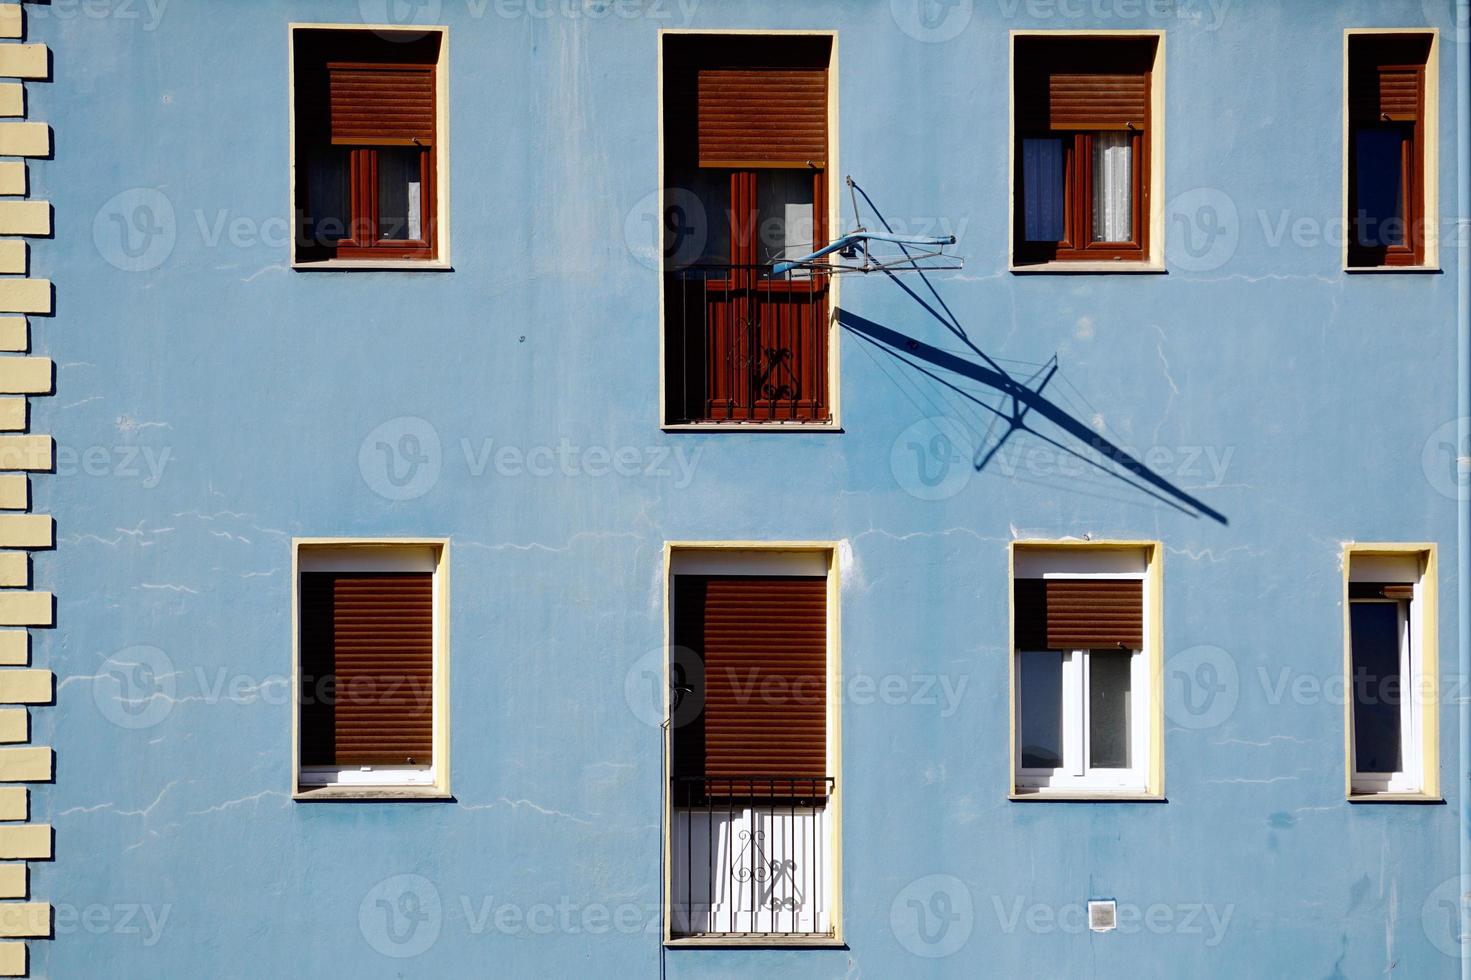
{"points": [[807, 942], [311, 794], [1355, 270], [1360, 796], [1123, 267], [753, 427], [1059, 795], [374, 265]]}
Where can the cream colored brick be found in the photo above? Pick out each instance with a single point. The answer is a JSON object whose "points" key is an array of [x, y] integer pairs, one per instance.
{"points": [[32, 764], [15, 491], [15, 725], [15, 803], [27, 531], [15, 570], [13, 880], [28, 841], [25, 295], [15, 333], [29, 920], [25, 609], [14, 413], [14, 256], [15, 648], [32, 686], [12, 99], [12, 21], [25, 217], [24, 61], [23, 139], [26, 375], [25, 452], [13, 960], [13, 177]]}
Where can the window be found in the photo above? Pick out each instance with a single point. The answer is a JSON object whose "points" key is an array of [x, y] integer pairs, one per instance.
{"points": [[1389, 105], [1391, 703], [371, 672], [753, 793], [1084, 663], [368, 145], [1085, 152], [746, 173]]}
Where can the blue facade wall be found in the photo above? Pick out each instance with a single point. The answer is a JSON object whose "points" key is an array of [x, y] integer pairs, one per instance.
{"points": [[213, 403]]}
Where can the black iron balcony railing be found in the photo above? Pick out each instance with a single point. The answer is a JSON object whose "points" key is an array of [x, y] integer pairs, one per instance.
{"points": [[743, 345], [752, 856]]}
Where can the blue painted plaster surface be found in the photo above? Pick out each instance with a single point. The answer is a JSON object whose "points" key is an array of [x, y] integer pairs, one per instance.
{"points": [[225, 401]]}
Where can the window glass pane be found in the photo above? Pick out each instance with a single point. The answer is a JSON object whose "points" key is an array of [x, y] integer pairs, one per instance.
{"points": [[1109, 710], [1113, 188], [784, 220], [1044, 195], [1374, 633], [697, 221], [399, 198], [1040, 693], [328, 179], [1379, 215]]}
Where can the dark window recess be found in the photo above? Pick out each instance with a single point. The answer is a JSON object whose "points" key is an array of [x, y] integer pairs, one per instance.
{"points": [[746, 147], [367, 666], [761, 682], [1083, 129], [1377, 616], [1386, 146], [365, 131]]}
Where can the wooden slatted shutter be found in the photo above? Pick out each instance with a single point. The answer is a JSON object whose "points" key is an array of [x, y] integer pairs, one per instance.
{"points": [[763, 644], [1387, 78], [1381, 590], [1079, 614], [761, 117], [1084, 84], [380, 105], [367, 664]]}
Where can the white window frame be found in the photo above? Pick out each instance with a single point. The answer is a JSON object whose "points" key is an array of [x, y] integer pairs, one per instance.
{"points": [[374, 555], [1408, 778], [1075, 772]]}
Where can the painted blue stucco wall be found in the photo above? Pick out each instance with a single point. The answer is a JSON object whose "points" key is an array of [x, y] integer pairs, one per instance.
{"points": [[212, 403]]}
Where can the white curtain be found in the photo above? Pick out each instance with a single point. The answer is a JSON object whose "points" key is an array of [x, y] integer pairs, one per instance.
{"points": [[1113, 199]]}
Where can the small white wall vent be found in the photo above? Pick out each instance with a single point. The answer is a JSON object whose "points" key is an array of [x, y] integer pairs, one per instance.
{"points": [[1103, 915]]}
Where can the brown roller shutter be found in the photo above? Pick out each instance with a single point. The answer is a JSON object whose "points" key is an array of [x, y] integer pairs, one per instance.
{"points": [[1079, 614], [1380, 590], [381, 105], [1084, 84], [1387, 78], [763, 643], [761, 117], [367, 664]]}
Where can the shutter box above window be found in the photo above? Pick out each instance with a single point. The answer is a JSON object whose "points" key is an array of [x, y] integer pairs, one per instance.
{"points": [[1087, 84], [1079, 614], [1387, 77], [367, 668], [762, 641]]}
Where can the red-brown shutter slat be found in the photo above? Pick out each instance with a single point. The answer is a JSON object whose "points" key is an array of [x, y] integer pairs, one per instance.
{"points": [[761, 117], [1083, 84], [763, 643], [367, 666], [1097, 102], [1079, 614], [381, 105], [1387, 77]]}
